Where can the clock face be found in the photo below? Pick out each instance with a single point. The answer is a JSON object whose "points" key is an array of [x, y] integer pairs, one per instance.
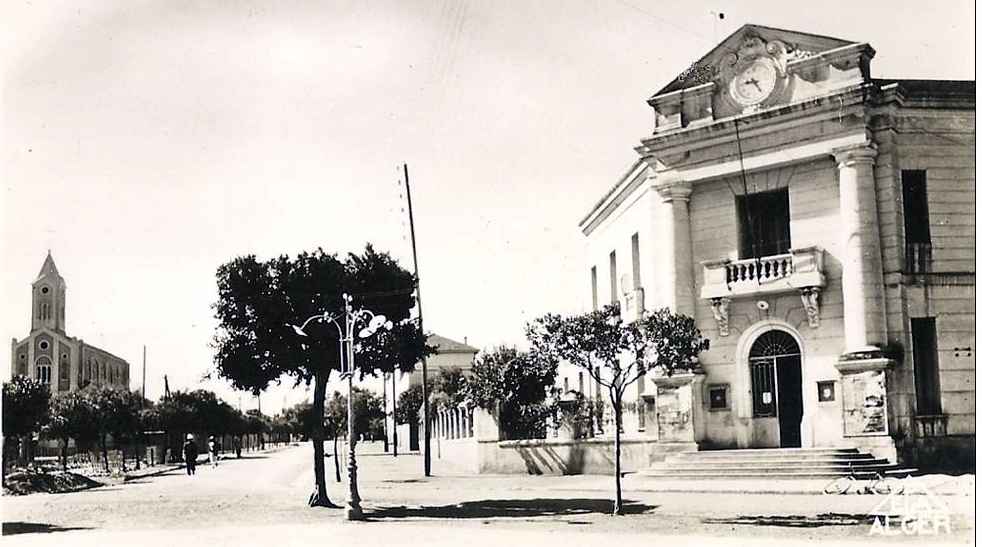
{"points": [[754, 83]]}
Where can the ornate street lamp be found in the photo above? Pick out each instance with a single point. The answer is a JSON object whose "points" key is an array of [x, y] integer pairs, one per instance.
{"points": [[370, 323]]}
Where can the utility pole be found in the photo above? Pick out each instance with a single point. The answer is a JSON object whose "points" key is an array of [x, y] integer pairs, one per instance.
{"points": [[395, 424], [143, 391], [419, 306]]}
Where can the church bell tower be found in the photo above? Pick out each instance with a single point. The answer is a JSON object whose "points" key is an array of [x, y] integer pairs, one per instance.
{"points": [[48, 298]]}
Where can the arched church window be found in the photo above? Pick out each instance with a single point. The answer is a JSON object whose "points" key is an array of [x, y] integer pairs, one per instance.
{"points": [[43, 370]]}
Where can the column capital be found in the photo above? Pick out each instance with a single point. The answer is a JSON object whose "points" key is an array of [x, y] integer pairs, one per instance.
{"points": [[852, 155], [672, 188]]}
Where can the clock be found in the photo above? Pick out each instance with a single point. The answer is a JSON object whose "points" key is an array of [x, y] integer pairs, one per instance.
{"points": [[755, 83]]}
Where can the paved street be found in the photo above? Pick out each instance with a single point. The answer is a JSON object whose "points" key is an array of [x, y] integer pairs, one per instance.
{"points": [[264, 496]]}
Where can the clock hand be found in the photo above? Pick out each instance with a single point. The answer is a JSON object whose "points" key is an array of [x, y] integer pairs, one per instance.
{"points": [[755, 83]]}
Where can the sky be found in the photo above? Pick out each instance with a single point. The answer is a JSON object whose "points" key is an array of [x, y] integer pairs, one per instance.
{"points": [[146, 142]]}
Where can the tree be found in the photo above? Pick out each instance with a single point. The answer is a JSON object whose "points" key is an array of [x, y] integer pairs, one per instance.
{"points": [[73, 416], [335, 424], [616, 353], [257, 423], [450, 388], [369, 410], [410, 403], [118, 416], [513, 385], [26, 403], [258, 301]]}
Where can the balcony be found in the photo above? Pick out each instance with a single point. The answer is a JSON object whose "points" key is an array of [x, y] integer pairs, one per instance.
{"points": [[801, 270], [796, 270]]}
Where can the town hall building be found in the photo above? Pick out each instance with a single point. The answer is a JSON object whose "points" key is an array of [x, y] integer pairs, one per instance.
{"points": [[50, 355], [818, 223]]}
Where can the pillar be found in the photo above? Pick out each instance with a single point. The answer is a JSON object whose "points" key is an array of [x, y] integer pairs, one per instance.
{"points": [[862, 263], [676, 239]]}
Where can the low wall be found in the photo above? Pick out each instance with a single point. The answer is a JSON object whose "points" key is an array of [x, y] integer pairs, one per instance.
{"points": [[563, 457]]}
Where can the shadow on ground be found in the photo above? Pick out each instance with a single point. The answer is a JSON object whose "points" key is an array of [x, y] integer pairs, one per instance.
{"points": [[796, 521], [517, 508], [12, 528]]}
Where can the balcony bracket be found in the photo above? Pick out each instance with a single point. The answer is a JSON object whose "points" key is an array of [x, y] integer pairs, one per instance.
{"points": [[810, 299], [721, 312]]}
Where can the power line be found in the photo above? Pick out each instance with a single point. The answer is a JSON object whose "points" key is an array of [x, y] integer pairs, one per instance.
{"points": [[663, 20]]}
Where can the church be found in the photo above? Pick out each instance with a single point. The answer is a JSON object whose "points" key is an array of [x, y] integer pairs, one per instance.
{"points": [[50, 355], [818, 223]]}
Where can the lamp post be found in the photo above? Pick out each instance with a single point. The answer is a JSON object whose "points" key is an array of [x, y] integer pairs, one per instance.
{"points": [[346, 334]]}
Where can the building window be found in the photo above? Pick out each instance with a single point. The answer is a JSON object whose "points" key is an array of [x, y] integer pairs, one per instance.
{"points": [[719, 397], [635, 261], [593, 285], [926, 380], [43, 371], [765, 223], [613, 277], [917, 222], [565, 384], [826, 391]]}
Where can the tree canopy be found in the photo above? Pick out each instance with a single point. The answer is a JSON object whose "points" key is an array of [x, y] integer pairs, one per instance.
{"points": [[25, 406], [515, 385], [616, 353]]}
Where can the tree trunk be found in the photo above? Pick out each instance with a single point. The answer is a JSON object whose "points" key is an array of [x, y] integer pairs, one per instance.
{"points": [[64, 454], [122, 455], [337, 465], [618, 502], [319, 497]]}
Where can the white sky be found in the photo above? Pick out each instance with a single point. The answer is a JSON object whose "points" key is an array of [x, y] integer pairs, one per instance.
{"points": [[147, 142]]}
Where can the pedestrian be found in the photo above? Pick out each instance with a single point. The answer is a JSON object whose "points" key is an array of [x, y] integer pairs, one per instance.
{"points": [[212, 451], [190, 454], [237, 445]]}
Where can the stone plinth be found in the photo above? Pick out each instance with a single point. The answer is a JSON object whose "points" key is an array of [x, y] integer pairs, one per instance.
{"points": [[678, 408]]}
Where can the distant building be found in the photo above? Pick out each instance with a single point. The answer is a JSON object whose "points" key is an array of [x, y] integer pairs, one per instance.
{"points": [[819, 225], [450, 354], [48, 354]]}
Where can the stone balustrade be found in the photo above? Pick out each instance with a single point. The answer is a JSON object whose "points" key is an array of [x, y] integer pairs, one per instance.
{"points": [[795, 270]]}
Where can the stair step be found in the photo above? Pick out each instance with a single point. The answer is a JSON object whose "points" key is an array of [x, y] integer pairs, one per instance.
{"points": [[845, 458], [771, 452], [770, 469], [872, 462], [744, 474], [773, 463]]}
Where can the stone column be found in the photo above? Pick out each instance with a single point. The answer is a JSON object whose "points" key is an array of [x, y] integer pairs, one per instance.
{"points": [[862, 263], [677, 240]]}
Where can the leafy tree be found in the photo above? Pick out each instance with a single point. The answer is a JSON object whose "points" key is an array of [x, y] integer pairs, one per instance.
{"points": [[335, 424], [26, 404], [616, 353], [450, 388], [198, 411], [73, 416], [410, 404], [258, 301], [513, 385], [256, 423], [118, 412]]}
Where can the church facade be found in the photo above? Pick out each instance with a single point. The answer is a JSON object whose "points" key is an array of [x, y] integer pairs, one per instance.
{"points": [[50, 355], [818, 223]]}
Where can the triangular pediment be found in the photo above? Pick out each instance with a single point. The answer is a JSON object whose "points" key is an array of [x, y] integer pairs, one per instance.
{"points": [[798, 45]]}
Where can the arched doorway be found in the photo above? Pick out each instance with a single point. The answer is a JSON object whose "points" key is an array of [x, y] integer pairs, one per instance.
{"points": [[775, 378]]}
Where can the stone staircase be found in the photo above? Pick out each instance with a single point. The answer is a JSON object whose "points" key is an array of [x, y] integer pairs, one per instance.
{"points": [[773, 463]]}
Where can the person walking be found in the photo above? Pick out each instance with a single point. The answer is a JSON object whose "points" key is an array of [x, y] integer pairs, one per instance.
{"points": [[190, 454], [213, 451]]}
